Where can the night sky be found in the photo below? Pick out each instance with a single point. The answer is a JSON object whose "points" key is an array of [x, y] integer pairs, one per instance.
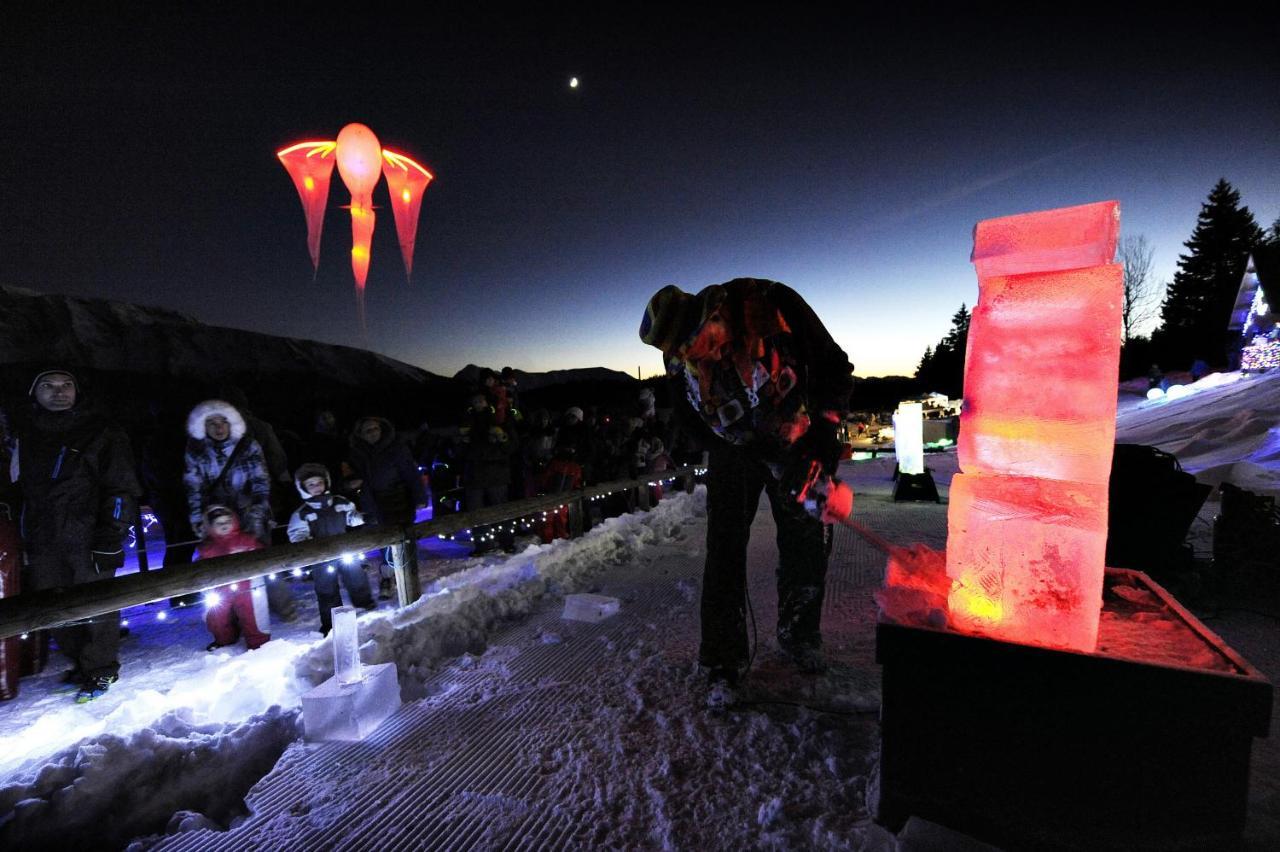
{"points": [[848, 157]]}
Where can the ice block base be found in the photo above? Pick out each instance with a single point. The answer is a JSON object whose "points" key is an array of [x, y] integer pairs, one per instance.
{"points": [[591, 608], [335, 711]]}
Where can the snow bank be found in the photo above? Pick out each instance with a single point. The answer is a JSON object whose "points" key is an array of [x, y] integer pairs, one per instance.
{"points": [[194, 742], [1225, 429]]}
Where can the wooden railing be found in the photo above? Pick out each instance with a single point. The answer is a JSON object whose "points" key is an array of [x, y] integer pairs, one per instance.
{"points": [[51, 607]]}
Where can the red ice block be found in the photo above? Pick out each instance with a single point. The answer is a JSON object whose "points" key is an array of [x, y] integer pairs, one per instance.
{"points": [[1047, 241], [1026, 557], [1040, 375]]}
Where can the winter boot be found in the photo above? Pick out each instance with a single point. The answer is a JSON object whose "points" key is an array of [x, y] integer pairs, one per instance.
{"points": [[95, 687], [807, 658]]}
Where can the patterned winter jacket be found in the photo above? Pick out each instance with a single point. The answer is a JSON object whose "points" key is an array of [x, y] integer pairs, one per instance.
{"points": [[231, 473], [758, 367]]}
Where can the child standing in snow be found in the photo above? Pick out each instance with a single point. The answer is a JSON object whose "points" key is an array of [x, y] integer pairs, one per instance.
{"points": [[321, 515], [238, 608]]}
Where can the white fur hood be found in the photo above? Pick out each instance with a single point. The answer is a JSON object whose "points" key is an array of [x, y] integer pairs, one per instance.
{"points": [[195, 420]]}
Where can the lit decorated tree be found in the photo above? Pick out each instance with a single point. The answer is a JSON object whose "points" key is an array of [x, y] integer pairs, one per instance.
{"points": [[1197, 305]]}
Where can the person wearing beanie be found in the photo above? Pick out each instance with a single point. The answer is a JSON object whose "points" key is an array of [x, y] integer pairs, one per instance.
{"points": [[75, 471], [758, 378], [324, 514]]}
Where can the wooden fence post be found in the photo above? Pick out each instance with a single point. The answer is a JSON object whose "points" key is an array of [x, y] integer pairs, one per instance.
{"points": [[642, 496], [404, 555], [575, 517]]}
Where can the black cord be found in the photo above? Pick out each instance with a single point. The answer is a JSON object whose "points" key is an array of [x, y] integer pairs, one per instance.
{"points": [[825, 710], [751, 658]]}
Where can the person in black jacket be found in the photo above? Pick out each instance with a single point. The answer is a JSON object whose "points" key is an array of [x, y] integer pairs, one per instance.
{"points": [[79, 492], [323, 515], [382, 471], [755, 372]]}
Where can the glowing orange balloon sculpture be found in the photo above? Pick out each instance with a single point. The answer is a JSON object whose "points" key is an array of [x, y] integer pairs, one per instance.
{"points": [[361, 160], [1027, 524]]}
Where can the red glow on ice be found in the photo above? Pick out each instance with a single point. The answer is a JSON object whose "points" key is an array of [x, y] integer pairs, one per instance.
{"points": [[1027, 522]]}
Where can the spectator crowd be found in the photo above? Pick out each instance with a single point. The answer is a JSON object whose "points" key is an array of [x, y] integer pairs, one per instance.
{"points": [[232, 483]]}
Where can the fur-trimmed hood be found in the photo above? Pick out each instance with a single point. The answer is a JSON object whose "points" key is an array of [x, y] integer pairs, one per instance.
{"points": [[195, 420], [307, 471], [388, 434]]}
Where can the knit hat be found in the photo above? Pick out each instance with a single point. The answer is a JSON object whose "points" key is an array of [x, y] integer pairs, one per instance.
{"points": [[575, 412], [670, 317]]}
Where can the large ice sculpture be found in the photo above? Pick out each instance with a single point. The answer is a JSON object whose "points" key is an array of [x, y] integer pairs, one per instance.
{"points": [[1028, 512]]}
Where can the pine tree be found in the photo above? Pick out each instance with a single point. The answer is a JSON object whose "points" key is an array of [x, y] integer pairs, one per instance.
{"points": [[941, 367], [1197, 305]]}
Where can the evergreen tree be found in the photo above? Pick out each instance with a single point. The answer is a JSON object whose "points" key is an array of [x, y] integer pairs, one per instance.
{"points": [[1197, 305], [941, 367]]}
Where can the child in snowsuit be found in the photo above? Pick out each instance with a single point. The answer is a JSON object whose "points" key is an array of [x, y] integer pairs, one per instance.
{"points": [[561, 474], [321, 515], [238, 608]]}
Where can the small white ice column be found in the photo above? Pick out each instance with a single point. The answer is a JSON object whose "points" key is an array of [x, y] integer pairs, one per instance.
{"points": [[346, 646], [908, 437]]}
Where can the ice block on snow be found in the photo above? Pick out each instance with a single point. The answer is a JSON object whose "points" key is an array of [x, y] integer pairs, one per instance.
{"points": [[346, 645], [351, 711], [1047, 241], [592, 608], [1026, 557]]}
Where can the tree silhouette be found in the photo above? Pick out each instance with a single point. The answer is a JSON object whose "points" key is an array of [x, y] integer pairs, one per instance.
{"points": [[941, 367], [1197, 305]]}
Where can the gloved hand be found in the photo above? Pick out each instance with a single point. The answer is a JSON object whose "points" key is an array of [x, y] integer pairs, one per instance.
{"points": [[819, 443], [108, 561]]}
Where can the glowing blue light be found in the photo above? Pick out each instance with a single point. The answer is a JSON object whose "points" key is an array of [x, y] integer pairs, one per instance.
{"points": [[162, 616], [297, 572], [331, 569], [212, 599], [347, 559]]}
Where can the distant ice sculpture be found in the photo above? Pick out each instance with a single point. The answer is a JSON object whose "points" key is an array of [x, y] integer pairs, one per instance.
{"points": [[908, 437]]}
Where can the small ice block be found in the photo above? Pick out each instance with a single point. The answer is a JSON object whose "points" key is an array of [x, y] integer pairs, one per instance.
{"points": [[592, 608], [1026, 557], [337, 711], [1047, 241]]}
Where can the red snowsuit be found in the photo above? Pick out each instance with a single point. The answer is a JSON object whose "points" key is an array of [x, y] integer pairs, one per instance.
{"points": [[559, 475], [242, 606]]}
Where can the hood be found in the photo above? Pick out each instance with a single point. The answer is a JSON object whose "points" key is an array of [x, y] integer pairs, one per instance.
{"points": [[307, 471], [388, 434], [195, 420], [220, 510]]}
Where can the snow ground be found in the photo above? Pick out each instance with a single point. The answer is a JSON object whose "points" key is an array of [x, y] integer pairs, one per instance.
{"points": [[523, 731]]}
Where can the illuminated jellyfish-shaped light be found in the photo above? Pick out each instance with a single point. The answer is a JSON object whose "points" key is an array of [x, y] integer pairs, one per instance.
{"points": [[310, 165], [1177, 391], [1155, 393], [360, 165], [407, 182]]}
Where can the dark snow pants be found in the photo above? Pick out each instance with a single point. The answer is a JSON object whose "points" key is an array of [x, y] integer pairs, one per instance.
{"points": [[328, 595], [92, 645], [481, 497], [734, 482]]}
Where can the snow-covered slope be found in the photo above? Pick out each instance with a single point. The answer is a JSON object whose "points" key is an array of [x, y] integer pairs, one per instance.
{"points": [[1225, 429]]}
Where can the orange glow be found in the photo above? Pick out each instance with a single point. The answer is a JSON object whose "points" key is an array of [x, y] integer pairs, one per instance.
{"points": [[311, 167], [1027, 521], [361, 162], [407, 181]]}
